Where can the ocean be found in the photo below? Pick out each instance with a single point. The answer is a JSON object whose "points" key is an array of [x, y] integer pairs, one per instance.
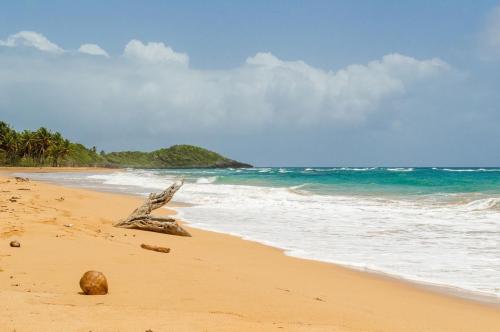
{"points": [[437, 226]]}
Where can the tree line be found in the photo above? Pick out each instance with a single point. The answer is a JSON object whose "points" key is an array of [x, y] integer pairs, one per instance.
{"points": [[37, 148], [43, 147]]}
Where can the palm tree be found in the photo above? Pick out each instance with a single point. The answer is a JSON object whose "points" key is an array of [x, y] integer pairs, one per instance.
{"points": [[9, 142], [5, 130], [4, 127], [43, 142], [56, 142], [27, 145], [35, 148], [65, 149], [59, 148]]}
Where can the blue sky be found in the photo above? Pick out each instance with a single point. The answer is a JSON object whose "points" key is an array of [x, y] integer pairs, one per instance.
{"points": [[222, 34], [270, 83]]}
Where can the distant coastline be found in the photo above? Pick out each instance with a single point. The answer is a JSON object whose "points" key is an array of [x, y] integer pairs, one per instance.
{"points": [[43, 147]]}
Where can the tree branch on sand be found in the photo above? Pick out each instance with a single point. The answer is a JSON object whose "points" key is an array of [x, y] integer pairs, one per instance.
{"points": [[142, 219]]}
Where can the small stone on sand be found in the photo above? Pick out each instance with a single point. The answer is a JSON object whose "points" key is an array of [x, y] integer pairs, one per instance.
{"points": [[15, 244]]}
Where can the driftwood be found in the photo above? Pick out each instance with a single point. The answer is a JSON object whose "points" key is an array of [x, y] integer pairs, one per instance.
{"points": [[142, 219], [21, 179], [155, 248]]}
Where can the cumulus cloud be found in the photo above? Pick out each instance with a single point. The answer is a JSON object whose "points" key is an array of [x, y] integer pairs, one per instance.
{"points": [[31, 39], [152, 91], [154, 53], [350, 94], [92, 49], [490, 36], [38, 41]]}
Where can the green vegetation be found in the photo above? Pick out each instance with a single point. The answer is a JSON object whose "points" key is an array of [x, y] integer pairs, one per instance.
{"points": [[42, 147], [176, 156]]}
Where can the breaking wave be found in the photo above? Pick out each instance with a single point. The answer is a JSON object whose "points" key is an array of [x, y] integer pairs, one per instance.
{"points": [[207, 180], [492, 203], [468, 169], [401, 169]]}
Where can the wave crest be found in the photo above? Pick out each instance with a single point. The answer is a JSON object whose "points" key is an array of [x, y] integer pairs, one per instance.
{"points": [[401, 169], [469, 169], [491, 203], [297, 189], [206, 180]]}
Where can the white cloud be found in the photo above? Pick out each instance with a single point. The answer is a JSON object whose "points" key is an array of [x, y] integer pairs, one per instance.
{"points": [[490, 36], [37, 40], [350, 94], [31, 39], [92, 49], [265, 59], [263, 93], [154, 53]]}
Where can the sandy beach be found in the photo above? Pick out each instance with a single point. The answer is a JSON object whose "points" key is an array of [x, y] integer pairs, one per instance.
{"points": [[208, 282]]}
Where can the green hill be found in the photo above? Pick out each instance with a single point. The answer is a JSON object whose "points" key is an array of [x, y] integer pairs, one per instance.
{"points": [[176, 156], [45, 148]]}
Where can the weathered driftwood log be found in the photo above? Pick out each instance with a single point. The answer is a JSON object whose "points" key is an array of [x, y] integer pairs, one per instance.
{"points": [[155, 248], [20, 179], [142, 219]]}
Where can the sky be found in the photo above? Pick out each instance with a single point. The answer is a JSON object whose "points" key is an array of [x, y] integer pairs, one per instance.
{"points": [[271, 83]]}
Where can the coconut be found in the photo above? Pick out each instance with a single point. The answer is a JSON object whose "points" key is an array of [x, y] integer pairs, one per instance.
{"points": [[94, 283]]}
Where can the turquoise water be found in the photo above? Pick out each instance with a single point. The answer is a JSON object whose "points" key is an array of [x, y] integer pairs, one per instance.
{"points": [[352, 180]]}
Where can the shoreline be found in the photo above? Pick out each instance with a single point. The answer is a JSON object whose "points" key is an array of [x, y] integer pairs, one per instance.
{"points": [[6, 170], [439, 288], [200, 285]]}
